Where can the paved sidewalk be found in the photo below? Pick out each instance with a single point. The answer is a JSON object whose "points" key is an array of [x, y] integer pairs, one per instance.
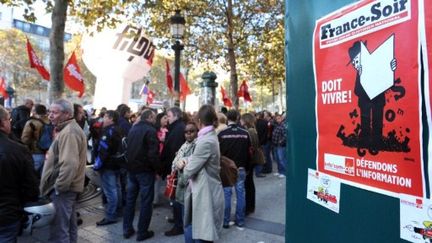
{"points": [[266, 225]]}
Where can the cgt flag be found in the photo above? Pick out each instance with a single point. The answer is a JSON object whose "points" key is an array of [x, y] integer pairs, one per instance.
{"points": [[72, 75], [184, 87], [3, 88], [35, 62], [169, 78], [226, 100], [244, 92]]}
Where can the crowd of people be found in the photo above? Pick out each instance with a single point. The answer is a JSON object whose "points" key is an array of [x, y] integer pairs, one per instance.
{"points": [[134, 153]]}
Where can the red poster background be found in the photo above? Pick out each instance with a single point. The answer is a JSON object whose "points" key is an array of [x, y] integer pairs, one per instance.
{"points": [[338, 126], [428, 28]]}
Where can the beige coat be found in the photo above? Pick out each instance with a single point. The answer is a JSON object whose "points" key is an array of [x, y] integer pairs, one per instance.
{"points": [[64, 168], [204, 197], [31, 133]]}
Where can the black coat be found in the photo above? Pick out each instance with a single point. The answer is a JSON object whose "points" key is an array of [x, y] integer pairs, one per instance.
{"points": [[173, 141], [109, 145], [142, 148], [18, 181], [235, 143], [261, 127], [19, 116]]}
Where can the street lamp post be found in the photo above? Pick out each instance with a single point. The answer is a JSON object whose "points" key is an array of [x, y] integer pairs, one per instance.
{"points": [[177, 31]]}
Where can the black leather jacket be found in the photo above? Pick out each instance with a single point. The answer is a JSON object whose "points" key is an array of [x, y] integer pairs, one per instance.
{"points": [[18, 181]]}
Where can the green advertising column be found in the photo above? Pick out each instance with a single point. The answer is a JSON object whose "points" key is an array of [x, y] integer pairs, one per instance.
{"points": [[364, 216]]}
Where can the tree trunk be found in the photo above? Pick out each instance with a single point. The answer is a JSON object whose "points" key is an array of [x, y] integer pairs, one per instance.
{"points": [[232, 57], [58, 19]]}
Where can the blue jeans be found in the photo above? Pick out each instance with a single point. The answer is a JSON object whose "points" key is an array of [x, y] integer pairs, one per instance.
{"points": [[111, 188], [38, 160], [142, 183], [9, 233], [241, 199], [188, 236], [268, 166], [281, 159]]}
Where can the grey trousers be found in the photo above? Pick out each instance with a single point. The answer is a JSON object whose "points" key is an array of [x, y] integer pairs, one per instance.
{"points": [[63, 228]]}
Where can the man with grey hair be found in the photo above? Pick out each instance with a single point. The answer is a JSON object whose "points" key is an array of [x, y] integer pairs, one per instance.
{"points": [[18, 182], [64, 171]]}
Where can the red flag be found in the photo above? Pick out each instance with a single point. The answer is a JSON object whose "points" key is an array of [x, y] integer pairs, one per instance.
{"points": [[150, 97], [35, 62], [244, 92], [226, 100], [169, 78], [150, 59], [184, 87], [72, 75], [3, 88]]}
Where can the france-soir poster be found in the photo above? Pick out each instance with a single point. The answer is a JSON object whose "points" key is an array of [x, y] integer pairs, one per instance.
{"points": [[368, 102]]}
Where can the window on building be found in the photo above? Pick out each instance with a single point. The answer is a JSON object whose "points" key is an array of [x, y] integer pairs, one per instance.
{"points": [[27, 27], [40, 30]]}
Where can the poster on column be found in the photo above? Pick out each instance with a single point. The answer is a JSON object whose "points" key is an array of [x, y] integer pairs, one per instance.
{"points": [[366, 64], [323, 190], [415, 219]]}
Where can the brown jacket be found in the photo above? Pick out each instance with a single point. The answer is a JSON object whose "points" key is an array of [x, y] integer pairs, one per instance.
{"points": [[64, 168], [31, 133]]}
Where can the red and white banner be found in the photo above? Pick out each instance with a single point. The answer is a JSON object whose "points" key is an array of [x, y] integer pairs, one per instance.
{"points": [[35, 62], [72, 75], [366, 64]]}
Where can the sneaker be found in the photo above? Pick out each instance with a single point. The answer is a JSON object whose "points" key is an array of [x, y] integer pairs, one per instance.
{"points": [[145, 236], [226, 226], [174, 231], [128, 233], [260, 175], [276, 174], [105, 222], [231, 223], [240, 226], [281, 176]]}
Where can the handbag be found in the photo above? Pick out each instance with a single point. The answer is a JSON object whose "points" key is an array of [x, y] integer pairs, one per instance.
{"points": [[228, 171], [171, 185], [258, 157]]}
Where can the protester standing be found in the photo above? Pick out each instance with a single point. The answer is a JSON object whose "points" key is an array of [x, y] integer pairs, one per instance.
{"points": [[109, 166], [18, 181], [143, 160], [31, 134], [64, 171], [203, 199]]}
